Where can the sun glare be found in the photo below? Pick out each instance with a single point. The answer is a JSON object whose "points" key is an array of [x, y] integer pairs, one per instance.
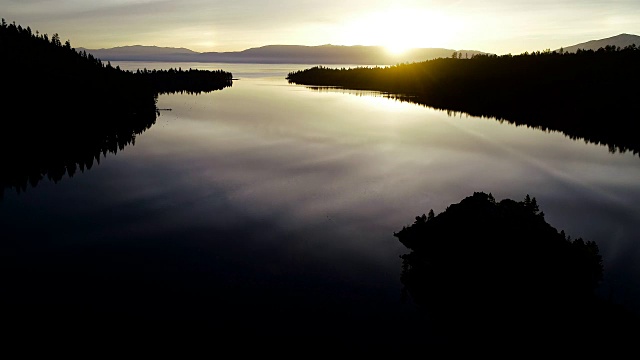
{"points": [[397, 49], [399, 30]]}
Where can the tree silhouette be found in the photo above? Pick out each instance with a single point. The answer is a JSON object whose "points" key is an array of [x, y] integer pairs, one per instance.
{"points": [[487, 270], [62, 108]]}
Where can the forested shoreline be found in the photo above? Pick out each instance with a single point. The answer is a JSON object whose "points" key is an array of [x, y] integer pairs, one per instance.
{"points": [[64, 109], [587, 94]]}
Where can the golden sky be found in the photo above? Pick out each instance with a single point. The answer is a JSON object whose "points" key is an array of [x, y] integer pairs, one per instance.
{"points": [[497, 26]]}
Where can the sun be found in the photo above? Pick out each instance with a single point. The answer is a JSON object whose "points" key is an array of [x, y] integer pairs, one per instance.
{"points": [[397, 49], [400, 29]]}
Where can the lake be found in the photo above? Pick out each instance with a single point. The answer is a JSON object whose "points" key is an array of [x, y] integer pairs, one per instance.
{"points": [[268, 209]]}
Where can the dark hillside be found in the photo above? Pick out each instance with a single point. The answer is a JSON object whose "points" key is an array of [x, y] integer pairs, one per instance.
{"points": [[64, 109]]}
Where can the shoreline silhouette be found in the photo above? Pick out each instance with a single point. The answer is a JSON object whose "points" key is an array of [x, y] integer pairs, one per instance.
{"points": [[64, 108], [583, 94]]}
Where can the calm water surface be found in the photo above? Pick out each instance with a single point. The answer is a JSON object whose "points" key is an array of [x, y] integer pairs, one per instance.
{"points": [[269, 208]]}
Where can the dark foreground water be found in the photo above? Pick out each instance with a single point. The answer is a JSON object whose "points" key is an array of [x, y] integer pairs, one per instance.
{"points": [[267, 210]]}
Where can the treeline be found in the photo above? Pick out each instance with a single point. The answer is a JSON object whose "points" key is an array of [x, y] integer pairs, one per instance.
{"points": [[41, 72], [36, 59], [192, 80], [62, 108], [488, 270], [588, 94]]}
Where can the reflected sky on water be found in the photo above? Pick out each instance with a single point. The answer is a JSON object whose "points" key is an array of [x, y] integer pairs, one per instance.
{"points": [[273, 202]]}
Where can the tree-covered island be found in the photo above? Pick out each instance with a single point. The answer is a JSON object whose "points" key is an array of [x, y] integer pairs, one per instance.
{"points": [[495, 273], [589, 94]]}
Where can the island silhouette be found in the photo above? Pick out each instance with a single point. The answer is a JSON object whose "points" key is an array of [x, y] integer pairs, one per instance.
{"points": [[488, 271]]}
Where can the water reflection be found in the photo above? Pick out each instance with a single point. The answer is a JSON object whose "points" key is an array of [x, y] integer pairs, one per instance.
{"points": [[52, 153], [266, 211], [354, 161], [591, 127], [51, 150]]}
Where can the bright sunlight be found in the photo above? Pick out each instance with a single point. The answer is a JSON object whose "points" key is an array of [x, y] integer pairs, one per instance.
{"points": [[401, 29]]}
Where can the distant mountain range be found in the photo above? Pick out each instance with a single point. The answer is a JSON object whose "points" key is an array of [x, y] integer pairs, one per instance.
{"points": [[621, 40], [323, 54], [282, 54]]}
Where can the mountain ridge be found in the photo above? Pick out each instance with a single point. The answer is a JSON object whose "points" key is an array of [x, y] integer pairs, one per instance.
{"points": [[143, 48], [295, 54], [318, 54], [620, 40]]}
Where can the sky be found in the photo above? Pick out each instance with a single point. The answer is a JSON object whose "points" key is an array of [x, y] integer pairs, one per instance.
{"points": [[495, 26]]}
